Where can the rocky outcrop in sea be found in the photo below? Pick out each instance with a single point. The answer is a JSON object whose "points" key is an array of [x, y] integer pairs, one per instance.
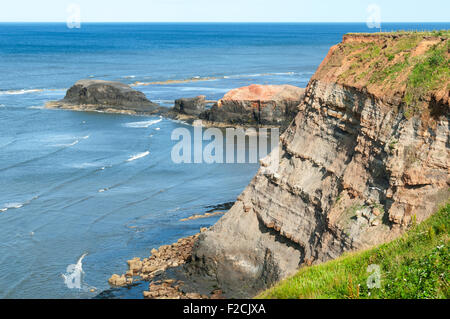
{"points": [[105, 96], [257, 105], [251, 106]]}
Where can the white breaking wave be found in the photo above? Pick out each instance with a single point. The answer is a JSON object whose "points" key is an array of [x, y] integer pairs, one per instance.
{"points": [[14, 205], [179, 121], [85, 165], [198, 88], [29, 91], [17, 205], [74, 273], [74, 142], [267, 74], [137, 156], [11, 206], [23, 91], [144, 124]]}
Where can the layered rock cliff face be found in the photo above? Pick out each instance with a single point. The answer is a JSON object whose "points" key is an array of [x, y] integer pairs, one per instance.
{"points": [[108, 96], [257, 105], [366, 156]]}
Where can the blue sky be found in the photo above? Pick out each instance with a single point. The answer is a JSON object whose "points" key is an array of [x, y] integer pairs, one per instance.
{"points": [[225, 10]]}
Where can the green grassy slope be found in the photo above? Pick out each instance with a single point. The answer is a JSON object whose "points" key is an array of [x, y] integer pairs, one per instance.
{"points": [[415, 265]]}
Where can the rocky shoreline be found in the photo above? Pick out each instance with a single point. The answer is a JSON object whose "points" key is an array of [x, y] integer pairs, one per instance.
{"points": [[250, 106], [162, 271]]}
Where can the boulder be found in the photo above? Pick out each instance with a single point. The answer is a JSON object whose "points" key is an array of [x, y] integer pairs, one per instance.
{"points": [[117, 280], [135, 265]]}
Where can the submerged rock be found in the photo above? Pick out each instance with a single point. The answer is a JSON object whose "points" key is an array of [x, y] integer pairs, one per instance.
{"points": [[106, 96]]}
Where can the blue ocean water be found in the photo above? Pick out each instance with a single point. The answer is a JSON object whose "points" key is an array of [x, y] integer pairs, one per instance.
{"points": [[103, 186]]}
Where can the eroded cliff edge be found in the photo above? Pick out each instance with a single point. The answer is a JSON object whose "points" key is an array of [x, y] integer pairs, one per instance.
{"points": [[366, 156]]}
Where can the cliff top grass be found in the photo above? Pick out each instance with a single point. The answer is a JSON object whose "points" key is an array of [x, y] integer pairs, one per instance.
{"points": [[434, 33], [413, 67], [413, 266]]}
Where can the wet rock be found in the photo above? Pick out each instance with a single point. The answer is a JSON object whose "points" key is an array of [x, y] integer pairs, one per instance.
{"points": [[118, 281], [170, 289], [190, 106], [167, 256], [135, 265]]}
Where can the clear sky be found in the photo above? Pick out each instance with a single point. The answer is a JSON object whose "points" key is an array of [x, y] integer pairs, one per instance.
{"points": [[225, 10]]}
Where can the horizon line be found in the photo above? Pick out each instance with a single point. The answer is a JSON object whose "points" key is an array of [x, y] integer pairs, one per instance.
{"points": [[299, 22]]}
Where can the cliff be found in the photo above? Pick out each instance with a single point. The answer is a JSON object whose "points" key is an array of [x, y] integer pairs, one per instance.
{"points": [[105, 96], [366, 156]]}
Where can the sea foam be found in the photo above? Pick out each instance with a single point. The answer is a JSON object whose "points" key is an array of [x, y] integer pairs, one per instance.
{"points": [[138, 156], [74, 142], [17, 205], [17, 92], [143, 124], [74, 273]]}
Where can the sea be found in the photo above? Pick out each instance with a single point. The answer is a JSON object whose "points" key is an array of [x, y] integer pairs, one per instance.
{"points": [[82, 192]]}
